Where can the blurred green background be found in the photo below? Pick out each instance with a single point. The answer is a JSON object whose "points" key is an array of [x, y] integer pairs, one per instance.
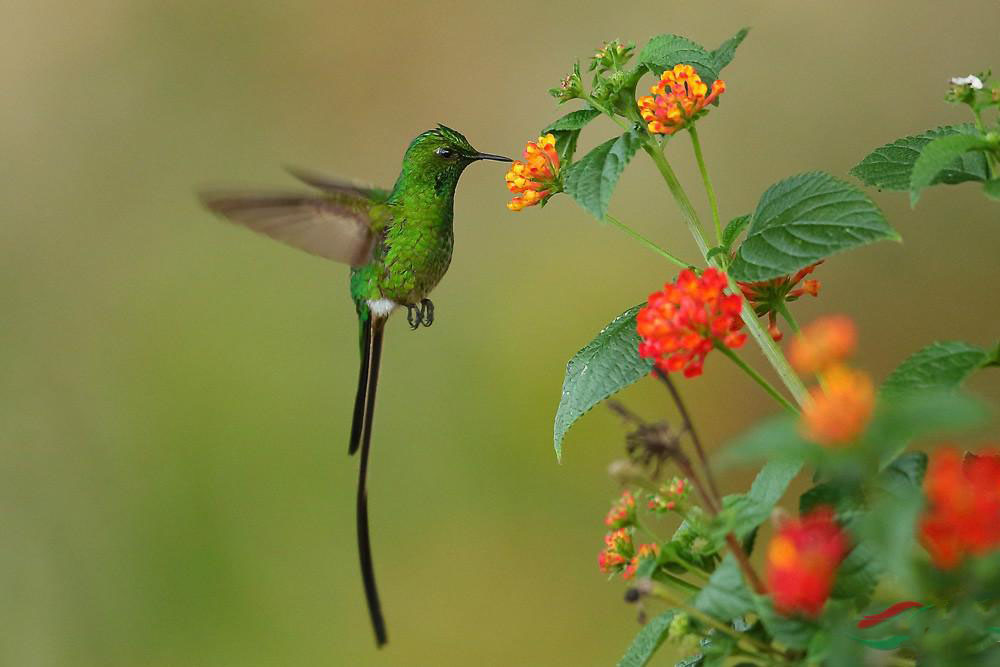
{"points": [[175, 393]]}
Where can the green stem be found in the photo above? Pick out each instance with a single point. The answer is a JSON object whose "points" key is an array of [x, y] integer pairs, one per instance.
{"points": [[756, 377], [687, 210], [646, 242], [740, 638], [990, 158], [709, 190], [787, 315], [754, 328], [676, 582]]}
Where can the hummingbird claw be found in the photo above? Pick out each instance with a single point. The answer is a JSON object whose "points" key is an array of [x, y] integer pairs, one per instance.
{"points": [[427, 312], [413, 316]]}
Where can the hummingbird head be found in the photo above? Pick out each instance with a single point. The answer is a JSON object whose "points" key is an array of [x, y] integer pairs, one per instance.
{"points": [[438, 157]]}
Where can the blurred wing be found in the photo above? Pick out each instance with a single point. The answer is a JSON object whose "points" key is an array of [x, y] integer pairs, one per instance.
{"points": [[336, 226], [333, 185]]}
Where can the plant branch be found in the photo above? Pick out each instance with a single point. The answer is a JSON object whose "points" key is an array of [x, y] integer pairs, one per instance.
{"points": [[646, 242], [709, 190], [758, 378]]}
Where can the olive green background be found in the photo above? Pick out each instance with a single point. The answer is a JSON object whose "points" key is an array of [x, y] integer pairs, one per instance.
{"points": [[175, 393]]}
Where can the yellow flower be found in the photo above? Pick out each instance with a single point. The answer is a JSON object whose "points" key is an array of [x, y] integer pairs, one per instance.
{"points": [[677, 99]]}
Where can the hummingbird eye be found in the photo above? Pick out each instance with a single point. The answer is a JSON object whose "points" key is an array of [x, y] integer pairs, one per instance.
{"points": [[444, 152]]}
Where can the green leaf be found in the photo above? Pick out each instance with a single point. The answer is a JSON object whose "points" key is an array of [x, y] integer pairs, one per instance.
{"points": [[723, 55], [992, 189], [889, 167], [802, 220], [733, 230], [592, 179], [776, 439], [938, 155], [608, 364], [909, 417], [858, 575], [574, 120], [793, 632], [567, 131], [940, 365], [647, 641], [725, 596], [664, 51], [905, 473]]}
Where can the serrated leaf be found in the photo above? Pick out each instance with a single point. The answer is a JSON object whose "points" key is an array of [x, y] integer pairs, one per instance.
{"points": [[608, 364], [858, 575], [802, 220], [938, 155], [566, 144], [905, 473], [647, 641], [733, 229], [776, 439], [992, 189], [908, 417], [592, 179], [793, 632], [940, 365], [889, 167], [723, 55], [664, 51], [691, 661], [574, 120], [725, 596]]}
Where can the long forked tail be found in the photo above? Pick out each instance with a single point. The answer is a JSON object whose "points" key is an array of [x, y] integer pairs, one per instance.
{"points": [[361, 434]]}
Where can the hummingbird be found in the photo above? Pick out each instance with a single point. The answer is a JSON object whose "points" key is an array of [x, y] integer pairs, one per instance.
{"points": [[398, 244]]}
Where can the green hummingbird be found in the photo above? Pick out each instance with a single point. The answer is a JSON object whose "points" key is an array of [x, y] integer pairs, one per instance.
{"points": [[398, 244]]}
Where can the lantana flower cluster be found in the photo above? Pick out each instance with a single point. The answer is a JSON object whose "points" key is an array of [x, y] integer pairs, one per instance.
{"points": [[839, 408], [681, 324], [963, 513], [677, 99], [671, 496], [768, 296], [620, 555], [802, 561], [536, 178]]}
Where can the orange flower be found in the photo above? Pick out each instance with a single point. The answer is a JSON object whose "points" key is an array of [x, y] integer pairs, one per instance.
{"points": [[827, 341], [645, 551], [766, 296], [677, 99], [802, 561], [838, 412], [622, 512], [618, 551], [536, 178], [680, 325], [963, 516]]}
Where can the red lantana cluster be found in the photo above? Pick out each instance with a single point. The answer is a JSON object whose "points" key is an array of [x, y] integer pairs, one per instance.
{"points": [[618, 551], [622, 512], [766, 296], [963, 514], [677, 99], [670, 496], [802, 561], [680, 325]]}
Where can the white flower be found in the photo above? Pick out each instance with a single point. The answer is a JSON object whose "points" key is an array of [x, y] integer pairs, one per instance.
{"points": [[972, 80]]}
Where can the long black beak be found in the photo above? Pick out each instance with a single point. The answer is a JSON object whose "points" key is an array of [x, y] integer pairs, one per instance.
{"points": [[491, 156]]}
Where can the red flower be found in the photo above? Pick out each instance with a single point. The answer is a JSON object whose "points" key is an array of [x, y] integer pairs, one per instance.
{"points": [[677, 99], [963, 516], [802, 561], [681, 324], [536, 178], [827, 341], [618, 551], [839, 411], [622, 512], [767, 295], [670, 496]]}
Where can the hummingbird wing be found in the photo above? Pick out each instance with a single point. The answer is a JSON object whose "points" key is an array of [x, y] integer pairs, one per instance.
{"points": [[336, 185], [334, 225]]}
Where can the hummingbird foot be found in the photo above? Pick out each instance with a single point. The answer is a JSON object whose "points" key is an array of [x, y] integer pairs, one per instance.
{"points": [[427, 312], [420, 314]]}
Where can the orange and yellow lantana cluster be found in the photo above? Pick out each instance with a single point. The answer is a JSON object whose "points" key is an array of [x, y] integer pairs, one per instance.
{"points": [[677, 98], [535, 178]]}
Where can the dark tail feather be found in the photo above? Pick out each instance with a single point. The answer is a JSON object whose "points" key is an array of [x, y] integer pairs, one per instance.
{"points": [[362, 430]]}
